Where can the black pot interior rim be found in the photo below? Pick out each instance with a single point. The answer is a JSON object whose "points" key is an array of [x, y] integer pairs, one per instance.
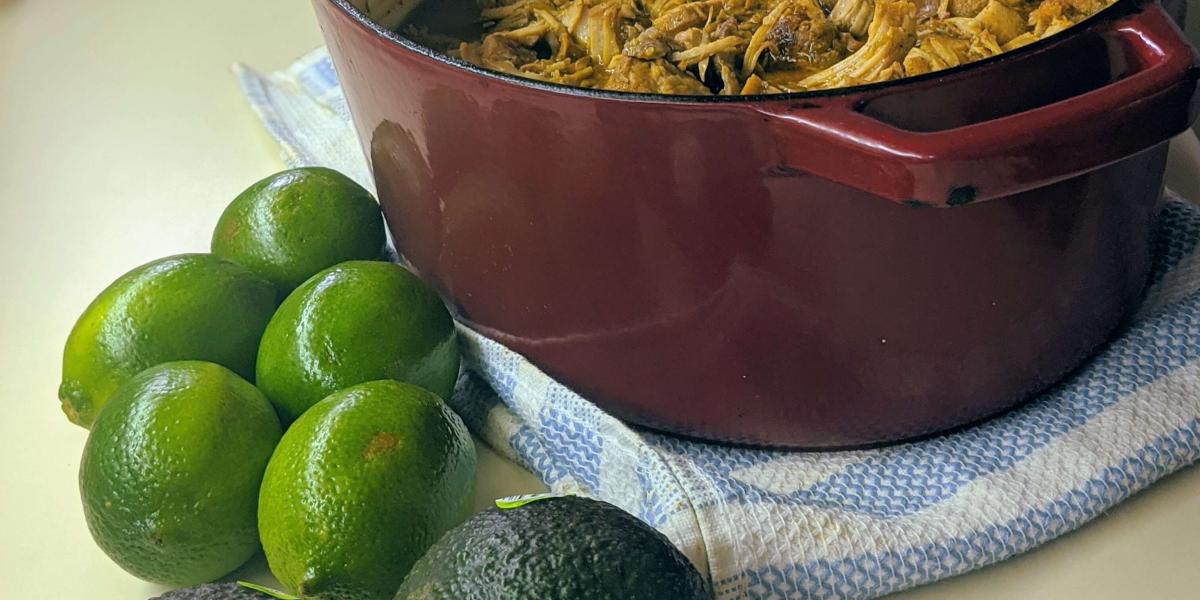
{"points": [[1116, 9]]}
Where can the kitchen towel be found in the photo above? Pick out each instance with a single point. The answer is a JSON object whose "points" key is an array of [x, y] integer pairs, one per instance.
{"points": [[851, 524]]}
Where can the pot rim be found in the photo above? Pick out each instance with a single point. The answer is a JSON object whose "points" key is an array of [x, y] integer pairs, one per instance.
{"points": [[1120, 7]]}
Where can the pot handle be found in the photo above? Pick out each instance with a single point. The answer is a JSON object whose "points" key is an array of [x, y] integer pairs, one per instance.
{"points": [[1154, 101]]}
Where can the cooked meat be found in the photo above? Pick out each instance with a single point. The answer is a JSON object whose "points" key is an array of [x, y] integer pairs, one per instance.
{"points": [[1001, 21], [853, 16], [954, 41], [504, 53], [649, 44], [597, 31], [939, 51], [753, 46], [695, 54], [757, 85], [728, 76], [1052, 16], [628, 74], [964, 8], [681, 17], [794, 27], [891, 35]]}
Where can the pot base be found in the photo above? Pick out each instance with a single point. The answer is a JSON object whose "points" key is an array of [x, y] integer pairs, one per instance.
{"points": [[953, 316]]}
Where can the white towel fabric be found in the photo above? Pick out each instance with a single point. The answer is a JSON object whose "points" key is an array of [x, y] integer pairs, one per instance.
{"points": [[854, 524]]}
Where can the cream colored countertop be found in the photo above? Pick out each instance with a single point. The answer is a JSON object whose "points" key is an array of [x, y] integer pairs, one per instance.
{"points": [[122, 137]]}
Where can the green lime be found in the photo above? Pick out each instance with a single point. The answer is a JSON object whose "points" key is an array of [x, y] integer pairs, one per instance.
{"points": [[185, 307], [555, 548], [297, 222], [360, 486], [354, 322], [171, 471]]}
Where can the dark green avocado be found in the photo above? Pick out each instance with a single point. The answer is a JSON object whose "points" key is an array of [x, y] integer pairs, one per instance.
{"points": [[559, 548], [213, 591]]}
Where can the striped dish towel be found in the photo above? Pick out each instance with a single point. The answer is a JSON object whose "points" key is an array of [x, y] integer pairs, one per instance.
{"points": [[853, 524]]}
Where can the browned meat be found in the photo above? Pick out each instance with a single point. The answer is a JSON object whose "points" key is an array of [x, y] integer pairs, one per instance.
{"points": [[965, 8], [758, 85], [650, 43], [682, 17], [1001, 21], [504, 53], [890, 36], [628, 74], [946, 43], [727, 75], [752, 46], [597, 31], [778, 32], [853, 16], [701, 52]]}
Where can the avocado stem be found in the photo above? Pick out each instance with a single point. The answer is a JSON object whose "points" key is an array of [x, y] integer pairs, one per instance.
{"points": [[268, 591]]}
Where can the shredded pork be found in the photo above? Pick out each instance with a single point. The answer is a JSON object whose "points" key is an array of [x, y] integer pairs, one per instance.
{"points": [[727, 47]]}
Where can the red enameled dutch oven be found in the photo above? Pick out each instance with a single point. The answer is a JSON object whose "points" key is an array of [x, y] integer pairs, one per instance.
{"points": [[825, 269]]}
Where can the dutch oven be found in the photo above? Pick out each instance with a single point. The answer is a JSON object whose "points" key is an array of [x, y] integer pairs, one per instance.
{"points": [[825, 269]]}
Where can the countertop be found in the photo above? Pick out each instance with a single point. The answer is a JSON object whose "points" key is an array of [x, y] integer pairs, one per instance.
{"points": [[122, 137]]}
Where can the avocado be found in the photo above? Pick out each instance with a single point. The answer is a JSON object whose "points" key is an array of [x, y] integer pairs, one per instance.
{"points": [[557, 548], [213, 591]]}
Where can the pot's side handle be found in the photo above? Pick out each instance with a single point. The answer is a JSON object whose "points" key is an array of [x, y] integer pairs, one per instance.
{"points": [[1156, 100]]}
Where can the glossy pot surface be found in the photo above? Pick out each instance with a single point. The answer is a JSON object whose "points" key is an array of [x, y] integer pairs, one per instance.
{"points": [[813, 270]]}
